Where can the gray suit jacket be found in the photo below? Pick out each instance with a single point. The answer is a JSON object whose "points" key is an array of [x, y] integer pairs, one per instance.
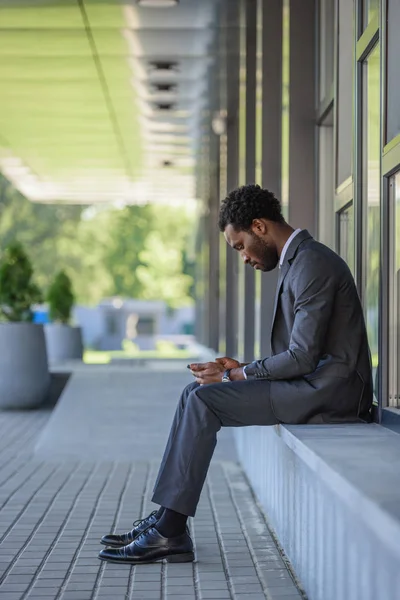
{"points": [[320, 368]]}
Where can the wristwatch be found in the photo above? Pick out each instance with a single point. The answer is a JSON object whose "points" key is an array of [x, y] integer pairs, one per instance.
{"points": [[225, 376]]}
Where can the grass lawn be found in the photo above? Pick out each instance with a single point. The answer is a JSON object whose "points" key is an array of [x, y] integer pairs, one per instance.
{"points": [[163, 350]]}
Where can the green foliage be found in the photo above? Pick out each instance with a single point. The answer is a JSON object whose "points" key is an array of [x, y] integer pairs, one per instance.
{"points": [[128, 229], [61, 298], [17, 291], [136, 252]]}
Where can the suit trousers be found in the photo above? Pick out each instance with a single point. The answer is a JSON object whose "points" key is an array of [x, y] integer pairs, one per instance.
{"points": [[200, 414]]}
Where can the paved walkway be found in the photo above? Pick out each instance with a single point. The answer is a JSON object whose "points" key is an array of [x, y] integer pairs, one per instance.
{"points": [[55, 504]]}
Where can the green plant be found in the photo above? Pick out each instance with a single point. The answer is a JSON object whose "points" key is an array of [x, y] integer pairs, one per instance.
{"points": [[17, 291], [61, 298]]}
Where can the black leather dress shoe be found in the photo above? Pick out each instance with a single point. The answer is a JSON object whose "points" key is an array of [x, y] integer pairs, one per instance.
{"points": [[117, 541], [150, 546]]}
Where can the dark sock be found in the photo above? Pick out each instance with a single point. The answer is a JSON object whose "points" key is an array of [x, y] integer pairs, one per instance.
{"points": [[171, 523], [160, 512]]}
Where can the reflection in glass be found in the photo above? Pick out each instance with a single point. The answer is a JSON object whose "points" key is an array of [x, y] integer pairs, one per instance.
{"points": [[370, 10], [346, 235], [394, 286], [326, 225], [326, 45], [344, 96], [371, 199], [393, 71]]}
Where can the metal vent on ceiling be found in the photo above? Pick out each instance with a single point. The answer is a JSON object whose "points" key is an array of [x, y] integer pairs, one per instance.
{"points": [[164, 87], [164, 106], [164, 65]]}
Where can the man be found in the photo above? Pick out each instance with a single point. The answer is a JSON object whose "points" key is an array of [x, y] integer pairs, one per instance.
{"points": [[319, 370]]}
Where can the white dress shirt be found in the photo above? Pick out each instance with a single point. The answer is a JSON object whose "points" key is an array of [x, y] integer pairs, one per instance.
{"points": [[286, 246]]}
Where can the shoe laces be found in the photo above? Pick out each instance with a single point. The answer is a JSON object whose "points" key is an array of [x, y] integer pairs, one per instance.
{"points": [[140, 521]]}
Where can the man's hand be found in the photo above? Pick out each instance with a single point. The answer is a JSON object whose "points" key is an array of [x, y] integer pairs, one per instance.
{"points": [[228, 363], [210, 372]]}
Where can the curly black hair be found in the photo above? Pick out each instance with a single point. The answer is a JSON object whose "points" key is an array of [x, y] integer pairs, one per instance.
{"points": [[247, 203]]}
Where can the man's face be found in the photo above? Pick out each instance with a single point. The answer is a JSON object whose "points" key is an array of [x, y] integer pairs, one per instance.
{"points": [[256, 249]]}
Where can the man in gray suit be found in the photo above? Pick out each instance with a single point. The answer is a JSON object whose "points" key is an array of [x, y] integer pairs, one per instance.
{"points": [[319, 370]]}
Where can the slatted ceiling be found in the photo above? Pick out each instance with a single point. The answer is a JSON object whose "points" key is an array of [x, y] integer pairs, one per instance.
{"points": [[39, 14], [77, 107], [194, 41]]}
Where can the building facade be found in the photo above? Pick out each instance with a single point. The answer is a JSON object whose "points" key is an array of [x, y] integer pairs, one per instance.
{"points": [[307, 104]]}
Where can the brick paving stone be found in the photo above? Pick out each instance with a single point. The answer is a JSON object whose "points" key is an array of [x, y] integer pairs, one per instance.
{"points": [[217, 576], [179, 590], [288, 590], [215, 594], [77, 596], [53, 511], [250, 588], [250, 596], [214, 585], [156, 577]]}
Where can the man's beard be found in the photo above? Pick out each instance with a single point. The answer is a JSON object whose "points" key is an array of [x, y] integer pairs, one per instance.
{"points": [[267, 258]]}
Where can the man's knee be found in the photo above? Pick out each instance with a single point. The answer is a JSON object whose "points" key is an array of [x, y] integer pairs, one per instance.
{"points": [[189, 388], [187, 391], [201, 399]]}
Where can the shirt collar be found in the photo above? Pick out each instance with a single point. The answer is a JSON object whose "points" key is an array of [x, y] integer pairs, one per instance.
{"points": [[286, 246]]}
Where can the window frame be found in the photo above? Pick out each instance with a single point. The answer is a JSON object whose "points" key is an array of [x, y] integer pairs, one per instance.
{"points": [[344, 191], [365, 41], [387, 415], [338, 213]]}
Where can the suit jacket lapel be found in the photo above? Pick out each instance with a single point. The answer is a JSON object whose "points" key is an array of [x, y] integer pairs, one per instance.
{"points": [[283, 271]]}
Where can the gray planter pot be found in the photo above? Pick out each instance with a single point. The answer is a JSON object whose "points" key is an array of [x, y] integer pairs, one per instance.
{"points": [[63, 342], [24, 373]]}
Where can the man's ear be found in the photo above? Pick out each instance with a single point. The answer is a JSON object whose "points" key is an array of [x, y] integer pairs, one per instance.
{"points": [[259, 226]]}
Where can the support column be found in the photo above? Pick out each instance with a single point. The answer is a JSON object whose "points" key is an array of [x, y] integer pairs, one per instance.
{"points": [[213, 248], [232, 101], [251, 89], [271, 142], [302, 133], [214, 167], [202, 240]]}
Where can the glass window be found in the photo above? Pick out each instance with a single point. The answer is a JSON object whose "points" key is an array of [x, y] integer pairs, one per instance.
{"points": [[370, 10], [344, 92], [394, 286], [326, 36], [371, 197], [393, 70], [346, 235], [326, 222]]}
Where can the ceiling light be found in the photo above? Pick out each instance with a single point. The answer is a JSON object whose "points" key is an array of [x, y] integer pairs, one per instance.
{"points": [[157, 3]]}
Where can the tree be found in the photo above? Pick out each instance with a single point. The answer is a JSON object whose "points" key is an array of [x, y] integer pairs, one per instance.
{"points": [[136, 252], [128, 228], [17, 291], [61, 298]]}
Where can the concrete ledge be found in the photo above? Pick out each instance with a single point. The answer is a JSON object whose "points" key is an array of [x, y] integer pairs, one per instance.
{"points": [[359, 463], [332, 494]]}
